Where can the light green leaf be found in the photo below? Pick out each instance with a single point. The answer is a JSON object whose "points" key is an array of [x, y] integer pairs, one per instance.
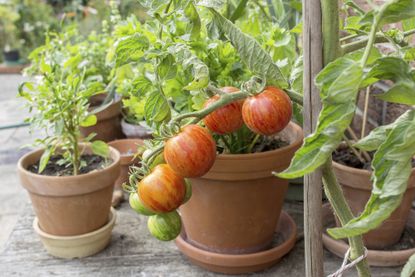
{"points": [[392, 165], [130, 48], [251, 52], [100, 148], [156, 108], [398, 71], [398, 10], [376, 137], [296, 76], [90, 120], [409, 268], [338, 83], [216, 4], [191, 13], [167, 68], [189, 60], [45, 159]]}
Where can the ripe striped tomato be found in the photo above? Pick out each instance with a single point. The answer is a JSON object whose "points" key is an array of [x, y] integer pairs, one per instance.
{"points": [[192, 152], [227, 119], [163, 190], [268, 112]]}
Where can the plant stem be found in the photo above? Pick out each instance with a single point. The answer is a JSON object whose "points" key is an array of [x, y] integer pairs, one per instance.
{"points": [[357, 154], [355, 138], [335, 195], [365, 110], [251, 146]]}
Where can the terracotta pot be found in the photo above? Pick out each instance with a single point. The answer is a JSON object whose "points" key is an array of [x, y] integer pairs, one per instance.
{"points": [[235, 207], [70, 205], [357, 187], [135, 131], [127, 149], [108, 125]]}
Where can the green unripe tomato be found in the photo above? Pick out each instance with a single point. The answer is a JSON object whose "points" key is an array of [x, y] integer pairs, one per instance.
{"points": [[188, 194], [137, 206], [166, 226]]}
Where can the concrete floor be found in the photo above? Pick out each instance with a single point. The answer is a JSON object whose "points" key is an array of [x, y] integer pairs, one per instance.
{"points": [[12, 195]]}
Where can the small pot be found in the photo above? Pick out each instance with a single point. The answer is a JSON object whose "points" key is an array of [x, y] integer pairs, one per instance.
{"points": [[235, 207], [127, 149], [12, 56], [108, 125], [135, 131], [70, 205], [69, 247], [357, 187]]}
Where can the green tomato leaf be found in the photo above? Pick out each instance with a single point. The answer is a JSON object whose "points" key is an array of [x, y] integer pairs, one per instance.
{"points": [[409, 268], [398, 10], [398, 71], [191, 13], [156, 108], [200, 70], [251, 52], [130, 48], [376, 137], [339, 84], [392, 167], [100, 148], [90, 120], [167, 68], [216, 4]]}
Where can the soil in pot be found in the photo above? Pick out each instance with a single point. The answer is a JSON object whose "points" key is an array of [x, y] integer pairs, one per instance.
{"points": [[357, 186], [108, 125], [235, 207], [70, 205]]}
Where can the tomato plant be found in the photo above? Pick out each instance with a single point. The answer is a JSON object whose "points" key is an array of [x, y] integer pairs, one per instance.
{"points": [[165, 226], [163, 190], [192, 152], [268, 112]]}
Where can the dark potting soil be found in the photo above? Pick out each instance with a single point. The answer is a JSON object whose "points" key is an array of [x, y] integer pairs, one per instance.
{"points": [[54, 168], [269, 144], [345, 156]]}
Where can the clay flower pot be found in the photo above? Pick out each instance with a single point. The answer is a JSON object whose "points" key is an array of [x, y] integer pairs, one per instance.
{"points": [[135, 131], [357, 187], [70, 205], [236, 206], [108, 125], [127, 149]]}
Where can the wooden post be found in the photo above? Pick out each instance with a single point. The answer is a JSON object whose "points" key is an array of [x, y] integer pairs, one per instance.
{"points": [[313, 63]]}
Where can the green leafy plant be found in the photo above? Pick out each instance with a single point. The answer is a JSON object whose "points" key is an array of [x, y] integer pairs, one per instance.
{"points": [[9, 39], [340, 82]]}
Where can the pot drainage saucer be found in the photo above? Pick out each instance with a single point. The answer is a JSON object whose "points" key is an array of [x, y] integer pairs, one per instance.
{"points": [[80, 246], [382, 258], [243, 263]]}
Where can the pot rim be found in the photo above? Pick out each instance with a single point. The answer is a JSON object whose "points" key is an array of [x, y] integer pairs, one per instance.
{"points": [[115, 155], [295, 144], [127, 159]]}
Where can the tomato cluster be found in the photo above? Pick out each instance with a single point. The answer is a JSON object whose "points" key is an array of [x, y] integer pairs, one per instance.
{"points": [[192, 152]]}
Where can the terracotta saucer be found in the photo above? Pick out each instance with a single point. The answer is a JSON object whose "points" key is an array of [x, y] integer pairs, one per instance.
{"points": [[382, 258], [69, 247], [243, 263]]}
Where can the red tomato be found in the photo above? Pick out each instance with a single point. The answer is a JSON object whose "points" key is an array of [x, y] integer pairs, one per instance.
{"points": [[268, 112], [226, 119], [163, 190], [192, 152]]}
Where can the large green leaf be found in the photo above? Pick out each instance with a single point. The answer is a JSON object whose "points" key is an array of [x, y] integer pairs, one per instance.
{"points": [[409, 269], [251, 52], [130, 48], [216, 4], [376, 137], [338, 83], [189, 60], [398, 71], [398, 10], [156, 108], [191, 13], [392, 166]]}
